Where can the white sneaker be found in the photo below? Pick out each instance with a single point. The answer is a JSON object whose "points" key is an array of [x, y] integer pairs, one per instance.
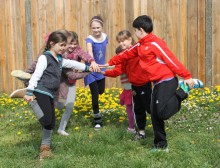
{"points": [[62, 132], [131, 130], [21, 74], [97, 127]]}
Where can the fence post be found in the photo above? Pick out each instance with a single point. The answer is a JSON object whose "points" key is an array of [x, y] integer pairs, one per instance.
{"points": [[208, 43], [28, 32]]}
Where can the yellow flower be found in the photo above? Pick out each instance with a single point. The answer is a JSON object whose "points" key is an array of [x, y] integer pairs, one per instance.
{"points": [[19, 133], [90, 136], [121, 121], [149, 126], [76, 128], [121, 118]]}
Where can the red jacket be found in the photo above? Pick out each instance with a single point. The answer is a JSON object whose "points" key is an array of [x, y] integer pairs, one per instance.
{"points": [[155, 58], [136, 75]]}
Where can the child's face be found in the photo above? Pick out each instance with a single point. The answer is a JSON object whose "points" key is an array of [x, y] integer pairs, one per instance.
{"points": [[72, 46], [96, 29], [138, 33], [125, 43], [59, 48]]}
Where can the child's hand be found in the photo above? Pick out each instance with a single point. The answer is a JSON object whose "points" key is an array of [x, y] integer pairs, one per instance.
{"points": [[95, 66], [190, 82], [104, 66], [28, 98]]}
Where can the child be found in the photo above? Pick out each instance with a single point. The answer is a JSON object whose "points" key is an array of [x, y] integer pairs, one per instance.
{"points": [[67, 91], [141, 87], [126, 95], [161, 67], [45, 82], [96, 47]]}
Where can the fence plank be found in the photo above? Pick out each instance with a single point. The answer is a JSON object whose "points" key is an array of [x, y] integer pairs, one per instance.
{"points": [[208, 47], [182, 33], [50, 19], [35, 31], [216, 41], [59, 14], [3, 73], [192, 38], [201, 40], [172, 25]]}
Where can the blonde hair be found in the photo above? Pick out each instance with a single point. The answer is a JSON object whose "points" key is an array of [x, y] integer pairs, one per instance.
{"points": [[124, 35]]}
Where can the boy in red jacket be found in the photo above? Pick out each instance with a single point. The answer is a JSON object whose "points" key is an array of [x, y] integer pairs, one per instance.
{"points": [[161, 67]]}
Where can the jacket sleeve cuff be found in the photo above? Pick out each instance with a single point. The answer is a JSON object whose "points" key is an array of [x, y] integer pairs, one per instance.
{"points": [[29, 92], [87, 69], [91, 60]]}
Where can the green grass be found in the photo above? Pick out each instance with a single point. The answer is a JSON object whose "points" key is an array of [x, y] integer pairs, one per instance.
{"points": [[193, 138]]}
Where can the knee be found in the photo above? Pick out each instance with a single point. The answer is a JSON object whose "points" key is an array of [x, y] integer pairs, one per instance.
{"points": [[47, 123], [60, 105]]}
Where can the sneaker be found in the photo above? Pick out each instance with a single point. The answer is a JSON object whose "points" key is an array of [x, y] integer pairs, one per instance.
{"points": [[21, 74], [197, 84], [62, 132], [184, 87], [45, 152], [131, 130], [156, 149], [139, 136], [97, 127]]}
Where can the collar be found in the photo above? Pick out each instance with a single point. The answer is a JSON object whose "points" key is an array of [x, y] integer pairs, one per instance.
{"points": [[147, 38]]}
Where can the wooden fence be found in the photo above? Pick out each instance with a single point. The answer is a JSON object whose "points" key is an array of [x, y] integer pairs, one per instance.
{"points": [[191, 29]]}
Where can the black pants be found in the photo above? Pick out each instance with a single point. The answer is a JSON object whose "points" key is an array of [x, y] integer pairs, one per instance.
{"points": [[141, 102], [97, 88], [164, 104], [46, 104]]}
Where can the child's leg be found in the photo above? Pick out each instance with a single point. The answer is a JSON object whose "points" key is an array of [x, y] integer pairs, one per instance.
{"points": [[167, 103], [158, 124], [164, 104], [46, 103], [95, 104], [69, 108], [130, 116], [36, 109], [139, 110]]}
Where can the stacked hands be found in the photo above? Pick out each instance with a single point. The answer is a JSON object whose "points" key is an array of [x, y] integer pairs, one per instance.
{"points": [[190, 82], [94, 67]]}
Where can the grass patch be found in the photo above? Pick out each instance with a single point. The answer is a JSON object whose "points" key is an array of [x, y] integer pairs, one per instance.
{"points": [[193, 135]]}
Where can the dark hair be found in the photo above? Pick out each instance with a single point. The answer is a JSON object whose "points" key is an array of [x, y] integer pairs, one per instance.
{"points": [[74, 36], [97, 18], [118, 49], [144, 22], [124, 35], [55, 37]]}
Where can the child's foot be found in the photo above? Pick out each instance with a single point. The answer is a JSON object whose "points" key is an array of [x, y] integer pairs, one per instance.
{"points": [[198, 84], [21, 74], [157, 149], [45, 152], [139, 136], [62, 132], [131, 130], [97, 127]]}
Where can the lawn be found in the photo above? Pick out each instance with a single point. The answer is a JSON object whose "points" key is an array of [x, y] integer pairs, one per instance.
{"points": [[193, 135]]}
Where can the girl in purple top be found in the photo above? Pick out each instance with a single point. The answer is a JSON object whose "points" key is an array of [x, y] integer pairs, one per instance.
{"points": [[96, 47]]}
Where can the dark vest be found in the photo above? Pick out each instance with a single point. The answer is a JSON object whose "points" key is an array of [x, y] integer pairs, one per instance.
{"points": [[50, 80]]}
